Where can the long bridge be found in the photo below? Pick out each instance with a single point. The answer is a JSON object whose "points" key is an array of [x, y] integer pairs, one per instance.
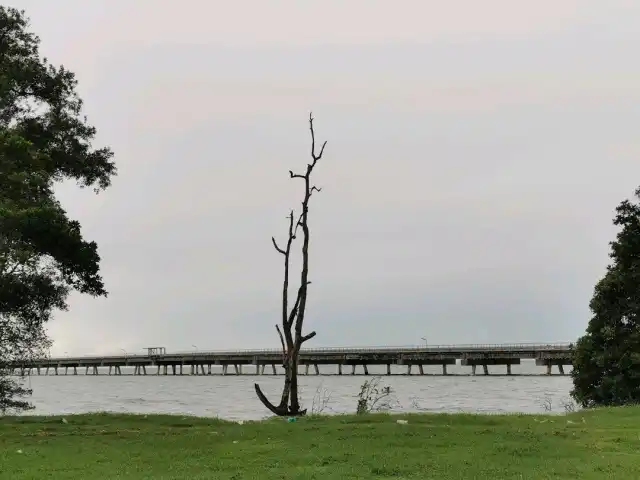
{"points": [[413, 359]]}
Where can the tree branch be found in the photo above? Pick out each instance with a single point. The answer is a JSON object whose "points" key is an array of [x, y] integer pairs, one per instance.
{"points": [[284, 348], [309, 336], [273, 240]]}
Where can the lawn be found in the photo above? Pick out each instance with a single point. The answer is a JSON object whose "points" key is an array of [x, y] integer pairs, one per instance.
{"points": [[596, 444]]}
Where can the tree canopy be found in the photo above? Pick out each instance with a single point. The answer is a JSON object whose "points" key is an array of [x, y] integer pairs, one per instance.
{"points": [[44, 139], [606, 362]]}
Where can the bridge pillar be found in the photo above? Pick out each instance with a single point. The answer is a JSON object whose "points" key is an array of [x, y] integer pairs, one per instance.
{"points": [[421, 369], [561, 368], [144, 369], [118, 370], [237, 369], [110, 369], [56, 370], [224, 369], [485, 368], [47, 372], [262, 368], [366, 370], [209, 369], [66, 370], [316, 369], [339, 369], [86, 370], [202, 368], [473, 369], [388, 369], [181, 372], [173, 369], [306, 369], [38, 370], [444, 369], [508, 369], [158, 370], [95, 370], [273, 368], [353, 369], [191, 372], [549, 368], [409, 369]]}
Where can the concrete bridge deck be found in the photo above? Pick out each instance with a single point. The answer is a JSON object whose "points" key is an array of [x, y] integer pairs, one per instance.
{"points": [[205, 362]]}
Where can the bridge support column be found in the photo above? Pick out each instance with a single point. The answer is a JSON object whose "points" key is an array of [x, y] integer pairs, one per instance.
{"points": [[388, 369], [473, 369], [549, 368], [202, 369], [173, 369], [158, 370], [144, 369], [136, 370], [47, 372], [316, 369], [95, 370], [485, 368], [38, 370], [66, 370], [86, 370], [306, 369], [56, 370], [409, 369], [118, 370], [262, 368], [181, 372], [444, 369], [365, 368], [191, 371], [224, 369], [339, 369], [110, 369], [353, 369], [209, 369], [508, 369], [273, 368], [421, 369], [561, 368], [237, 369]]}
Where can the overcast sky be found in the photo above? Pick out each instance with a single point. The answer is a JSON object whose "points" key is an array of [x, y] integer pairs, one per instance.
{"points": [[476, 152]]}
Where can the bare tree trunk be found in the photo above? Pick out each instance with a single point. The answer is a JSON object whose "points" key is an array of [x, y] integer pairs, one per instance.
{"points": [[291, 337]]}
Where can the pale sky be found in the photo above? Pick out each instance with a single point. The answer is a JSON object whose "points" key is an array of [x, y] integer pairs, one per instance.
{"points": [[476, 152]]}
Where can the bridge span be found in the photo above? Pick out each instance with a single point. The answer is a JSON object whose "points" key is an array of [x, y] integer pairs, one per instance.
{"points": [[356, 359]]}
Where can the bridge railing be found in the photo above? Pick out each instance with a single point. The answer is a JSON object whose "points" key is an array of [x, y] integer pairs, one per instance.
{"points": [[500, 347]]}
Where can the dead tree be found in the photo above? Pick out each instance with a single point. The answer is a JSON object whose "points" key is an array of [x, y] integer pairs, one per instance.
{"points": [[291, 337]]}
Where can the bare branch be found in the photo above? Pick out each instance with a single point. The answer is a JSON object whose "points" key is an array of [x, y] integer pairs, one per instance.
{"points": [[294, 310], [309, 336], [296, 175], [284, 348], [277, 247]]}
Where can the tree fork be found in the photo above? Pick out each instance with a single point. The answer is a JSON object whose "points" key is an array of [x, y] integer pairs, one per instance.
{"points": [[290, 331]]}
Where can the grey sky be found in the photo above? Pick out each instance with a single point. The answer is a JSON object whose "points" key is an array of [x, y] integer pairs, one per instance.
{"points": [[476, 153]]}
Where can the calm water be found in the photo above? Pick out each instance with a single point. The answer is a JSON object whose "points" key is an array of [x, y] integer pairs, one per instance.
{"points": [[233, 397]]}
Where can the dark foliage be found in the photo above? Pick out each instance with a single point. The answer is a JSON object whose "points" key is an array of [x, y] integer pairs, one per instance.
{"points": [[43, 140], [606, 360]]}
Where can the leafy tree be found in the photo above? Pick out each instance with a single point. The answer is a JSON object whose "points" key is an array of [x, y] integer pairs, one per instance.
{"points": [[606, 360], [43, 140]]}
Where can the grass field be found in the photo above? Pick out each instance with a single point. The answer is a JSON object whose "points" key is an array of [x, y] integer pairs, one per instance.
{"points": [[599, 444]]}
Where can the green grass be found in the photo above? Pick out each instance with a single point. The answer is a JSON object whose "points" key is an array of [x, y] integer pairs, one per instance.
{"points": [[598, 444]]}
